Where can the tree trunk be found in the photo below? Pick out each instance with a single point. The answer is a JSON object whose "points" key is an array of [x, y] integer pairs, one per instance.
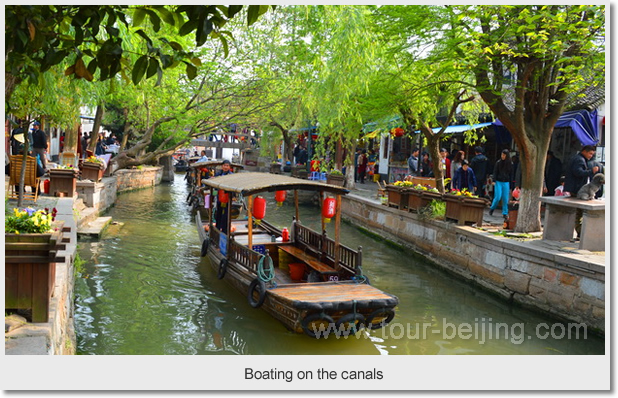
{"points": [[433, 145], [70, 139], [22, 175], [126, 130], [10, 84], [94, 136], [532, 163]]}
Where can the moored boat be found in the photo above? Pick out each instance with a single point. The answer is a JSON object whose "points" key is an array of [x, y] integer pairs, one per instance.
{"points": [[310, 282]]}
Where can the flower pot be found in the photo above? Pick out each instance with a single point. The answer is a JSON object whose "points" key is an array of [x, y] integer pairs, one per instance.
{"points": [[92, 171], [465, 209], [415, 200], [453, 206], [30, 270], [275, 168], [397, 197], [62, 182], [336, 179], [427, 197]]}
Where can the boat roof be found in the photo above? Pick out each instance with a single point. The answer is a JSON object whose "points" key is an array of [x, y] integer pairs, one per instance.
{"points": [[250, 183], [214, 163]]}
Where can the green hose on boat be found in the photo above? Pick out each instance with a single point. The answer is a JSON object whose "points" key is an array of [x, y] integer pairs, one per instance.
{"points": [[266, 274]]}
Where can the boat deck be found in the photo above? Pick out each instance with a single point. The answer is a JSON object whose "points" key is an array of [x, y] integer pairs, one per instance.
{"points": [[340, 295]]}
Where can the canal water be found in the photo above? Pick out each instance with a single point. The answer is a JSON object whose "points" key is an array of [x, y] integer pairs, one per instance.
{"points": [[146, 290]]}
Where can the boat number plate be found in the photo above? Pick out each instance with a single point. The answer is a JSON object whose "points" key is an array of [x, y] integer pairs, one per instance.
{"points": [[333, 278], [259, 248]]}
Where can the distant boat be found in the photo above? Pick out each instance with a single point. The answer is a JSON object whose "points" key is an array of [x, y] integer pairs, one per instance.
{"points": [[308, 281]]}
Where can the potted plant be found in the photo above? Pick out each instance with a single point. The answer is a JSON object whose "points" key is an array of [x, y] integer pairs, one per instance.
{"points": [[398, 194], [63, 180], [420, 196], [335, 177], [92, 169], [32, 241], [463, 206]]}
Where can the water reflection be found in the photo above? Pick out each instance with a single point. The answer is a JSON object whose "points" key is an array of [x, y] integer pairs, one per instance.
{"points": [[146, 290]]}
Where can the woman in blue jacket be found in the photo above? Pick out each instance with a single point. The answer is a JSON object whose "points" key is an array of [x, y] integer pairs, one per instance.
{"points": [[464, 177], [502, 177]]}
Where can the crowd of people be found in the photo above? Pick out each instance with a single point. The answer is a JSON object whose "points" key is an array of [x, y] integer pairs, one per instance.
{"points": [[500, 182]]}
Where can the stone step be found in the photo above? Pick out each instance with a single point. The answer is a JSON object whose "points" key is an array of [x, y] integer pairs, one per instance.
{"points": [[94, 228]]}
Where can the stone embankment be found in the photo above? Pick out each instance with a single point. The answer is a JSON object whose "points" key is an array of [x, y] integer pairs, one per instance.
{"points": [[57, 336], [547, 276]]}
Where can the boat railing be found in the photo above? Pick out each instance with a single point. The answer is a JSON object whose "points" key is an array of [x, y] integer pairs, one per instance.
{"points": [[214, 237], [243, 256], [323, 248]]}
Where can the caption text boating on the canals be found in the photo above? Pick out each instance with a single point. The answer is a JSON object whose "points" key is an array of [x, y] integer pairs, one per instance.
{"points": [[319, 374]]}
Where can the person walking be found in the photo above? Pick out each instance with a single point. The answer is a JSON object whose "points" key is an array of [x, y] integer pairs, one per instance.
{"points": [[502, 178], [39, 142], [362, 166], [553, 172], [464, 178], [457, 161], [413, 163], [479, 165]]}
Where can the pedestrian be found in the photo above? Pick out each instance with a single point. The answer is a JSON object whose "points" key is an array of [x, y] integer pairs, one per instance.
{"points": [[579, 170], [296, 152], [502, 177], [456, 162], [223, 208], [303, 156], [100, 148], [553, 172], [426, 165], [446, 163], [39, 142], [559, 191], [362, 166], [204, 158], [464, 178], [17, 140], [479, 165], [413, 163]]}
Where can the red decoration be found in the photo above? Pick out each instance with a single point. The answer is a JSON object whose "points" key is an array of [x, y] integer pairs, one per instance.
{"points": [[224, 197], [329, 208], [46, 186], [285, 235], [398, 131], [259, 208], [315, 165], [280, 197]]}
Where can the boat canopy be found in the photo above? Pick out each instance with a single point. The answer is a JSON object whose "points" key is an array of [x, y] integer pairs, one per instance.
{"points": [[214, 163], [254, 182]]}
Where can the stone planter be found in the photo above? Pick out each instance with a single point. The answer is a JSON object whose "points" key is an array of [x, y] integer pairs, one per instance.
{"points": [[397, 197], [92, 171], [464, 209], [62, 182], [30, 270], [335, 179]]}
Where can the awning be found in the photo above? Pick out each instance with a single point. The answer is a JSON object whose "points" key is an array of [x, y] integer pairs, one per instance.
{"points": [[582, 122], [386, 123], [459, 128]]}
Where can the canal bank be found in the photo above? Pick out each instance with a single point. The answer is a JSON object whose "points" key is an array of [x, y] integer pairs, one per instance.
{"points": [[57, 335], [554, 278]]}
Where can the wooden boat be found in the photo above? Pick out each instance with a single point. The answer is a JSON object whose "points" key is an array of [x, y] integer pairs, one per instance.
{"points": [[328, 294], [196, 173]]}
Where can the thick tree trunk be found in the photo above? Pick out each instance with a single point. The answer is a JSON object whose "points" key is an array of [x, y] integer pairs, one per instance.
{"points": [[532, 163], [433, 146], [70, 139], [10, 84], [94, 136]]}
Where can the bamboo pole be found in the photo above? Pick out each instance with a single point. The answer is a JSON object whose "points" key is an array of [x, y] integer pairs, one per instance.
{"points": [[250, 219], [296, 204], [337, 231]]}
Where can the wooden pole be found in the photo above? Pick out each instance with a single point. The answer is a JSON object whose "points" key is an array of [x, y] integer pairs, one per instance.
{"points": [[250, 219], [229, 223], [322, 210], [296, 204], [337, 231]]}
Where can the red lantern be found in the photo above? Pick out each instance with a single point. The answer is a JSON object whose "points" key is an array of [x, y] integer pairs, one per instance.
{"points": [[399, 131], [259, 208], [329, 208], [280, 197], [224, 197]]}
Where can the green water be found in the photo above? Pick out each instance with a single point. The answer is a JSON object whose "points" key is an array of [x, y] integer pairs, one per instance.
{"points": [[146, 290]]}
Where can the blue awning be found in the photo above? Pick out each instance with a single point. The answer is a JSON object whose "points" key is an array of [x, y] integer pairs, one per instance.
{"points": [[459, 128], [583, 123]]}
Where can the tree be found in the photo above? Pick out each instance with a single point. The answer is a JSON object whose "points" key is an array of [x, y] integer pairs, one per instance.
{"points": [[39, 37], [528, 63]]}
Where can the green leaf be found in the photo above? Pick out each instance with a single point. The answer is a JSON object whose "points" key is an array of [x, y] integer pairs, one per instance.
{"points": [[196, 61], [191, 71], [139, 69], [153, 66], [138, 16], [154, 19], [175, 45], [226, 50], [253, 14], [233, 10], [144, 35], [167, 16], [188, 27]]}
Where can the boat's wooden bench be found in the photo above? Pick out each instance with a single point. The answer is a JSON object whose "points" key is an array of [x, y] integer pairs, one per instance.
{"points": [[307, 259]]}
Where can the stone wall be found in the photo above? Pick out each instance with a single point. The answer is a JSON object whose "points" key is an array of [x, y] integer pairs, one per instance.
{"points": [[128, 179], [534, 276]]}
